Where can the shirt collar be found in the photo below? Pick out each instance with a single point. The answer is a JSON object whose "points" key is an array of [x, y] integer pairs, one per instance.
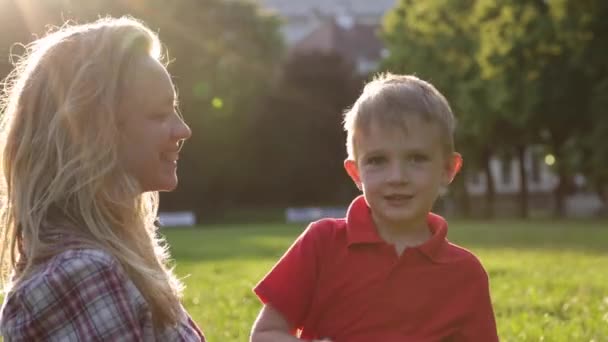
{"points": [[360, 228], [439, 230]]}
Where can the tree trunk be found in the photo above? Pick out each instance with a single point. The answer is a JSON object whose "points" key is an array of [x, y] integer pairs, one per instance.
{"points": [[562, 185], [602, 192], [523, 180], [461, 193], [490, 189], [560, 195]]}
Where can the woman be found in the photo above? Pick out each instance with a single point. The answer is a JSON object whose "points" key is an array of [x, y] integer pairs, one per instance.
{"points": [[90, 134]]}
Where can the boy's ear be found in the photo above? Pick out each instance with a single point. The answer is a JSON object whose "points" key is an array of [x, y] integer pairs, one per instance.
{"points": [[351, 168], [453, 166]]}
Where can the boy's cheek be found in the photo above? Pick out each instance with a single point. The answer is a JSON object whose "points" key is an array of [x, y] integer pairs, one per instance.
{"points": [[370, 178]]}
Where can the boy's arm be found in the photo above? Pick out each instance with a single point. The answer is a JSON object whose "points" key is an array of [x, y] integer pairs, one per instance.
{"points": [[480, 324], [288, 290], [271, 326]]}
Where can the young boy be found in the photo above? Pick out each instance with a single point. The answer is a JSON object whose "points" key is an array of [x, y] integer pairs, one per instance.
{"points": [[385, 272]]}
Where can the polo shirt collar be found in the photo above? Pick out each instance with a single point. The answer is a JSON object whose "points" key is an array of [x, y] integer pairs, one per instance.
{"points": [[439, 230], [361, 229]]}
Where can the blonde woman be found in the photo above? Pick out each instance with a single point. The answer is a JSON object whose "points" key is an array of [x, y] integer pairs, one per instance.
{"points": [[89, 135]]}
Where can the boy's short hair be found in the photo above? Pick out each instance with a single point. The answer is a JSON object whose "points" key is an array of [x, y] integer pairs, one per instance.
{"points": [[391, 100]]}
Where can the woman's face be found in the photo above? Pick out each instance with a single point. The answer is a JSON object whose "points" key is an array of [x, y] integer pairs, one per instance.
{"points": [[151, 129]]}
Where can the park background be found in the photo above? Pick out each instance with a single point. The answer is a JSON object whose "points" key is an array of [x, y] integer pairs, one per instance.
{"points": [[263, 85]]}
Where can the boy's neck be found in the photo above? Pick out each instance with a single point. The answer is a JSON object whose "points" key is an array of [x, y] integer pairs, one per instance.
{"points": [[404, 236]]}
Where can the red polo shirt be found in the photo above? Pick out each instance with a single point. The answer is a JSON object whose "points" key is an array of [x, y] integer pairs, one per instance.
{"points": [[340, 280]]}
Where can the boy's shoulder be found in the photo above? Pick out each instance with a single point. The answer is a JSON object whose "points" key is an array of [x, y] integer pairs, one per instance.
{"points": [[328, 226], [326, 232], [462, 258]]}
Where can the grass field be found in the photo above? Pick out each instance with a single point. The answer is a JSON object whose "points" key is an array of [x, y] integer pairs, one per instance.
{"points": [[549, 280]]}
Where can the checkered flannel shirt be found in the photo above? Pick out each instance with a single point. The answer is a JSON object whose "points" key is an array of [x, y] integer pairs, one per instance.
{"points": [[84, 295]]}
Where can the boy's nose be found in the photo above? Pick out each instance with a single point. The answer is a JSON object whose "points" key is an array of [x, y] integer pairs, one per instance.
{"points": [[397, 173]]}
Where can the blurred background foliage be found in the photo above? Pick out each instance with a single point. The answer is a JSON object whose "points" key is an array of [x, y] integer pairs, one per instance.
{"points": [[267, 123]]}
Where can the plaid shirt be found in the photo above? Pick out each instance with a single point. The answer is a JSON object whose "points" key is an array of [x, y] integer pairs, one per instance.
{"points": [[84, 295]]}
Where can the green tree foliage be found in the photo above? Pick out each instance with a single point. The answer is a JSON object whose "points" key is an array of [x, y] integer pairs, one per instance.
{"points": [[222, 55], [226, 54], [438, 41], [582, 29], [300, 141], [511, 55], [517, 73]]}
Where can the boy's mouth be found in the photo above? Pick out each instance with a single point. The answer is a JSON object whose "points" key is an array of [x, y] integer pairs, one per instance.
{"points": [[398, 198]]}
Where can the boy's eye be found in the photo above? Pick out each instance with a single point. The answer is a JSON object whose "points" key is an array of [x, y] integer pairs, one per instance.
{"points": [[377, 160], [418, 158]]}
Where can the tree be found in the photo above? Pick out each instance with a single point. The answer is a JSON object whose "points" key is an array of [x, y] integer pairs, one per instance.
{"points": [[226, 54], [299, 137], [584, 32], [515, 47], [438, 40], [517, 72], [222, 55]]}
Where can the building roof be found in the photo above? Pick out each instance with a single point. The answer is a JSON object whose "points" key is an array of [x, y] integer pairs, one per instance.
{"points": [[355, 41], [289, 8]]}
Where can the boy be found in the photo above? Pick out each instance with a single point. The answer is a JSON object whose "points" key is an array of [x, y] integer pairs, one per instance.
{"points": [[385, 272]]}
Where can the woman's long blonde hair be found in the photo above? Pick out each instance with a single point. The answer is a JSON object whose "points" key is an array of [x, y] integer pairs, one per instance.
{"points": [[62, 179]]}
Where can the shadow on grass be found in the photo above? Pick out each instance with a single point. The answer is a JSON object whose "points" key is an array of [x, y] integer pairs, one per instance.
{"points": [[222, 242]]}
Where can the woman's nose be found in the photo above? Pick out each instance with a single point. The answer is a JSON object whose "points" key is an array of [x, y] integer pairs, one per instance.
{"points": [[182, 131]]}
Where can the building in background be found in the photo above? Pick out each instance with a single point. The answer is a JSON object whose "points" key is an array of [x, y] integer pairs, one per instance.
{"points": [[541, 184], [304, 16], [507, 180], [346, 27], [355, 41]]}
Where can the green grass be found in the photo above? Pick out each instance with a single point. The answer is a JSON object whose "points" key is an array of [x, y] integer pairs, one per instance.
{"points": [[549, 280]]}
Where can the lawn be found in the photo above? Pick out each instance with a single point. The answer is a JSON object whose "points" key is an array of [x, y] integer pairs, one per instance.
{"points": [[549, 280]]}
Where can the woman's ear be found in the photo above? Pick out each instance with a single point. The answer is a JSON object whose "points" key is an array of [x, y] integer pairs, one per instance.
{"points": [[452, 167], [351, 168]]}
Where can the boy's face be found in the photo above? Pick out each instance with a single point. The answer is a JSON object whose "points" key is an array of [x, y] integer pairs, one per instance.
{"points": [[401, 171]]}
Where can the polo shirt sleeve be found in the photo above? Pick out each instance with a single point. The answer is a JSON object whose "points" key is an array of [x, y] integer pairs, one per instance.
{"points": [[84, 299], [480, 324], [289, 287]]}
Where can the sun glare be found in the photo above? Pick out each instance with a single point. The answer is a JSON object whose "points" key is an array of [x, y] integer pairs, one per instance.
{"points": [[33, 14], [217, 103]]}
